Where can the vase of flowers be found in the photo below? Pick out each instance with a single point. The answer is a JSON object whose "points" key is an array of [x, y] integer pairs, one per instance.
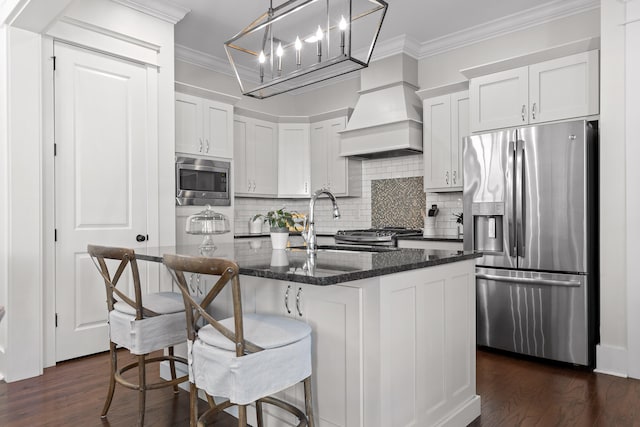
{"points": [[279, 222], [459, 222]]}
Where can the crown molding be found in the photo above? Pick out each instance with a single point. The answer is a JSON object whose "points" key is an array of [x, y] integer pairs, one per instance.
{"points": [[518, 21], [399, 44], [161, 9]]}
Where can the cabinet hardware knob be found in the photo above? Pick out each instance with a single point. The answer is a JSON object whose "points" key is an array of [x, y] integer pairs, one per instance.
{"points": [[524, 111], [298, 302], [286, 299], [200, 147], [141, 238], [446, 177], [207, 146], [454, 177], [533, 111]]}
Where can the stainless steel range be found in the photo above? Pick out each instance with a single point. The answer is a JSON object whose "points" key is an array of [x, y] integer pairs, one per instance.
{"points": [[385, 236]]}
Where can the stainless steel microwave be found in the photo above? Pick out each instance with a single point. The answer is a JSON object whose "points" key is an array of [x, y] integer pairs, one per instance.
{"points": [[202, 182]]}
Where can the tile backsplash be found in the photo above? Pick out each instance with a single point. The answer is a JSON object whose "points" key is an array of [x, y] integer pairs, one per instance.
{"points": [[444, 224], [397, 202], [356, 211]]}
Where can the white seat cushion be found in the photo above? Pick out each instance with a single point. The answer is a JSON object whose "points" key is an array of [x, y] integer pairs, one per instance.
{"points": [[149, 334], [264, 330], [250, 377], [161, 303]]}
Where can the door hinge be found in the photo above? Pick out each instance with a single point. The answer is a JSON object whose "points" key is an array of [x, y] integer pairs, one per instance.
{"points": [[56, 320], [55, 234], [54, 62]]}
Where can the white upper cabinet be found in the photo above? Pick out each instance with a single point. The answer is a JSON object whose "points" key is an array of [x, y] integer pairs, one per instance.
{"points": [[558, 89], [255, 157], [445, 124], [203, 126], [340, 175], [294, 160]]}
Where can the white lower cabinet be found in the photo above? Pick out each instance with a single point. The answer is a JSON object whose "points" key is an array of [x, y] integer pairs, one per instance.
{"points": [[334, 313], [430, 244]]}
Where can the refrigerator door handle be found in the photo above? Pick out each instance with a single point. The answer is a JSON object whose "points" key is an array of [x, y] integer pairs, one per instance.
{"points": [[528, 280], [519, 197], [510, 200]]}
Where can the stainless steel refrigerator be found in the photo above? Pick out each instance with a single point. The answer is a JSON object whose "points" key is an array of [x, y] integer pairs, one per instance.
{"points": [[531, 206]]}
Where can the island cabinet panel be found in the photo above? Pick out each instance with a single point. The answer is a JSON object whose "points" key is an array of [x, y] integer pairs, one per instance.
{"points": [[427, 333], [334, 313]]}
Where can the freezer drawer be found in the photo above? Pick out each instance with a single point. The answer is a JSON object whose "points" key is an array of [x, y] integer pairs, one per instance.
{"points": [[532, 313]]}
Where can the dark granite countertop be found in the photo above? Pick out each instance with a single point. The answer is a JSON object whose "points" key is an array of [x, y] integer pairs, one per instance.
{"points": [[256, 258], [291, 233], [431, 238]]}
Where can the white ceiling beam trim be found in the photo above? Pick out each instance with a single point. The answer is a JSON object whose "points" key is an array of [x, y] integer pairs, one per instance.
{"points": [[506, 25], [160, 9]]}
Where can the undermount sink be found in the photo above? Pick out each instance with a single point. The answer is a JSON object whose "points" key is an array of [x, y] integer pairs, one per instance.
{"points": [[338, 248]]}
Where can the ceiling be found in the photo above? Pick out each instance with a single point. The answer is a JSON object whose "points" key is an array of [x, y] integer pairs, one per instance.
{"points": [[211, 22]]}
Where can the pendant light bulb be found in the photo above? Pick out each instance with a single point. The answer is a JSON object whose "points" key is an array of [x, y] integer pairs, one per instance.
{"points": [[319, 34], [279, 50], [298, 43], [261, 57], [343, 24]]}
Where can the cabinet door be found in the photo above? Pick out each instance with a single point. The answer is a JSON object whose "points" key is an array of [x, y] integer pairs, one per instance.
{"points": [[293, 160], [499, 100], [218, 128], [319, 155], [564, 88], [241, 130], [334, 314], [263, 152], [188, 124], [459, 130], [337, 166], [437, 142]]}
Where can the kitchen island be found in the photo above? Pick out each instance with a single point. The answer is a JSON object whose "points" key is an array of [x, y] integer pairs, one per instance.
{"points": [[393, 329]]}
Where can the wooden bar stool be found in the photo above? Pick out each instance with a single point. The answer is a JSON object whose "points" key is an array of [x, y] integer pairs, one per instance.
{"points": [[141, 324], [245, 358]]}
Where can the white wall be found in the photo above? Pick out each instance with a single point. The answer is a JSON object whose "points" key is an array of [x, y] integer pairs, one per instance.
{"points": [[613, 323]]}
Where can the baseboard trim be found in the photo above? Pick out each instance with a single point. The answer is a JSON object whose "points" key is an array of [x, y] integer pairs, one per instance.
{"points": [[464, 415], [611, 360]]}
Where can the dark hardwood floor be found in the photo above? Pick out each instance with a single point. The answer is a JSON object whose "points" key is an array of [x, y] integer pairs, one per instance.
{"points": [[514, 392]]}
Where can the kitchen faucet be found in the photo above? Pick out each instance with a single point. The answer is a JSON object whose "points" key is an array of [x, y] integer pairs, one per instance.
{"points": [[310, 234]]}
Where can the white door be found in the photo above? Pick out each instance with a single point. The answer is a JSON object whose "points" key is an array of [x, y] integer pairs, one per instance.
{"points": [[319, 155], [459, 130], [101, 187], [218, 128], [294, 173], [337, 166]]}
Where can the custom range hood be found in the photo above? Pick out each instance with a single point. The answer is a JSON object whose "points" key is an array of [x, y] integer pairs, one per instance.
{"points": [[387, 119]]}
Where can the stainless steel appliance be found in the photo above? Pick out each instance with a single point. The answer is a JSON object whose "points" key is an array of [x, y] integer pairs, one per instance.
{"points": [[202, 182], [530, 205], [384, 236]]}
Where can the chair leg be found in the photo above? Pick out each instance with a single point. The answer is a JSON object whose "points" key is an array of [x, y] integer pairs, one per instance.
{"points": [[193, 405], [308, 401], [172, 367], [259, 419], [112, 379], [242, 416], [142, 388]]}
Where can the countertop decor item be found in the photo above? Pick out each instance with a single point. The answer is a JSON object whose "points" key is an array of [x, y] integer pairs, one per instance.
{"points": [[460, 222], [207, 222], [279, 221], [301, 42]]}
